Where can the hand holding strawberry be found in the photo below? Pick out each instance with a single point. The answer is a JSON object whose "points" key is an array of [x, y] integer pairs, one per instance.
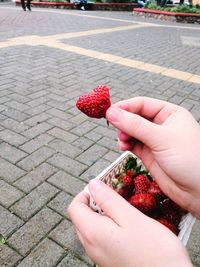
{"points": [[166, 138]]}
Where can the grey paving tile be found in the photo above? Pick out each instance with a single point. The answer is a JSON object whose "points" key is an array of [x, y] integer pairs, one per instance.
{"points": [[67, 164], [8, 223], [65, 148], [36, 158], [12, 137], [37, 142], [27, 206], [35, 177], [14, 125], [67, 182], [46, 254], [24, 239], [63, 135], [8, 257], [71, 260], [37, 130], [65, 235], [60, 203], [8, 194], [11, 153], [92, 154]]}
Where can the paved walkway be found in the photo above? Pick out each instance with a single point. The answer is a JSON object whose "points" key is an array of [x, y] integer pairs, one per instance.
{"points": [[48, 150]]}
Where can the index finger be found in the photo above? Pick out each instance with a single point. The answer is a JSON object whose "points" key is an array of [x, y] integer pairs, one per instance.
{"points": [[145, 106]]}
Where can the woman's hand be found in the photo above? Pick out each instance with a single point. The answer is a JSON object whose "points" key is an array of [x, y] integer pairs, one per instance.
{"points": [[166, 138], [123, 236]]}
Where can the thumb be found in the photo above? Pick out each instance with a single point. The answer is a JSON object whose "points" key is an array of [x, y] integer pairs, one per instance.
{"points": [[134, 125], [114, 205]]}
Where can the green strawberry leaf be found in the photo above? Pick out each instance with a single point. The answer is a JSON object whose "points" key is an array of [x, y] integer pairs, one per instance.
{"points": [[130, 164]]}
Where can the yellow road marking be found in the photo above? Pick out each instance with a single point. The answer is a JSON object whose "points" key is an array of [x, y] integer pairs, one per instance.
{"points": [[53, 41], [173, 73]]}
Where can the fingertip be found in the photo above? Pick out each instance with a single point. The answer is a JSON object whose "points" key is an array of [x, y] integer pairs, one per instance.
{"points": [[113, 114]]}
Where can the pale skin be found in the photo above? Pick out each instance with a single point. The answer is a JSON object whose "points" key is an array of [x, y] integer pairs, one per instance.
{"points": [[167, 139]]}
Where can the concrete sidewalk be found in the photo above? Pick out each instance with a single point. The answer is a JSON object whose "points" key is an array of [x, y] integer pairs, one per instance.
{"points": [[48, 150]]}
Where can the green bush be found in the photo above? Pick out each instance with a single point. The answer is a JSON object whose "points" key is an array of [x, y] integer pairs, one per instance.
{"points": [[185, 9], [121, 1], [179, 8]]}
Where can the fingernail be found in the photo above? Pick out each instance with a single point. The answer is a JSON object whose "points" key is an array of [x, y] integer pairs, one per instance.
{"points": [[95, 185], [113, 114]]}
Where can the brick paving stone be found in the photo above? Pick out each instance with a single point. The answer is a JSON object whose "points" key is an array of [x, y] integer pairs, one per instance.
{"points": [[25, 238], [37, 110], [8, 223], [38, 101], [14, 125], [94, 136], [67, 182], [60, 114], [27, 206], [83, 143], [67, 164], [4, 99], [8, 194], [105, 131], [111, 156], [11, 153], [92, 154], [12, 137], [61, 106], [94, 170], [36, 158], [65, 125], [83, 128], [15, 114], [46, 254], [18, 106], [60, 203], [63, 135], [38, 94], [70, 260], [64, 234], [8, 257], [37, 130], [36, 143], [37, 119], [2, 107], [56, 97], [35, 177], [9, 172], [19, 98], [65, 148], [108, 143]]}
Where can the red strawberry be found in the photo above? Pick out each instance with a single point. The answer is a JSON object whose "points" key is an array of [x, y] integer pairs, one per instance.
{"points": [[155, 190], [130, 173], [168, 224], [124, 192], [145, 202], [95, 103], [127, 180], [171, 211], [142, 184]]}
